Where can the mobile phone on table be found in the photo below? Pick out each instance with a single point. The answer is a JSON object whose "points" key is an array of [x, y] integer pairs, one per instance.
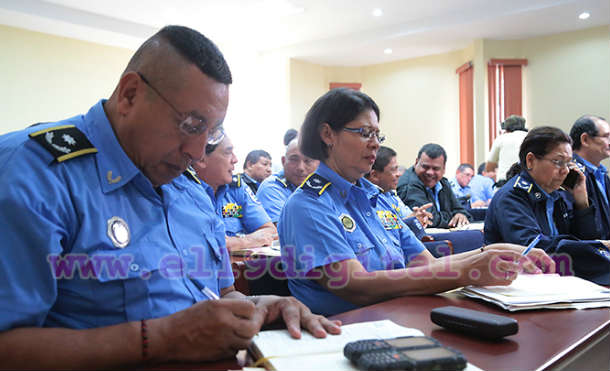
{"points": [[354, 350], [423, 359]]}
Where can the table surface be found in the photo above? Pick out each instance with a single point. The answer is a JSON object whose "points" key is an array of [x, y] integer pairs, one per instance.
{"points": [[545, 337]]}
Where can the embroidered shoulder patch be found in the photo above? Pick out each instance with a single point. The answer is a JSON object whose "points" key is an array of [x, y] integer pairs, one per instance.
{"points": [[523, 184], [315, 183], [63, 142], [235, 181]]}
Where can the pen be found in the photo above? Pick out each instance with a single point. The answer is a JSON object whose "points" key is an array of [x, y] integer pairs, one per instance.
{"points": [[530, 246], [209, 293]]}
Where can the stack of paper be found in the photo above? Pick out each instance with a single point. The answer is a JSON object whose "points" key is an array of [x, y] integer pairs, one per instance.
{"points": [[258, 252], [535, 291]]}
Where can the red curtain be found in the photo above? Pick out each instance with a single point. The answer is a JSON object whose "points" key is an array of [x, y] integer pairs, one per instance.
{"points": [[466, 76], [351, 85], [504, 78]]}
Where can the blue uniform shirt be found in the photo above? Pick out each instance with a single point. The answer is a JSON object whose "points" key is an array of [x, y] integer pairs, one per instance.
{"points": [[402, 211], [238, 207], [88, 242], [329, 219], [434, 193], [458, 190], [273, 193], [481, 188]]}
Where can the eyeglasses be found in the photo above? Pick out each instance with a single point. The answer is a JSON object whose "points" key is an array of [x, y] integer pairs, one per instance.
{"points": [[558, 163], [189, 124], [367, 133]]}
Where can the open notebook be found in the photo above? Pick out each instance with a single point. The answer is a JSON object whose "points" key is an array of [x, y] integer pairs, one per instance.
{"points": [[536, 291], [276, 350]]}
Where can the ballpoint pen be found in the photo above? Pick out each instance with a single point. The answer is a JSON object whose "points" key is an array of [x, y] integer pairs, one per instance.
{"points": [[531, 245]]}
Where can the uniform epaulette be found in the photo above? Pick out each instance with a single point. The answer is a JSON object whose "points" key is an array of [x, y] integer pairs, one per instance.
{"points": [[282, 181], [191, 174], [315, 183], [523, 184], [235, 181], [64, 142]]}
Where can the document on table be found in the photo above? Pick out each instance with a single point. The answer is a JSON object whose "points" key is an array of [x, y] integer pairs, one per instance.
{"points": [[536, 291]]}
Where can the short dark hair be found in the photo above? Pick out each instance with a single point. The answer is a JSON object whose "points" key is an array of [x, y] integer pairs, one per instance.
{"points": [[254, 156], [540, 141], [584, 124], [514, 123], [433, 150], [209, 148], [193, 47], [481, 168], [290, 135], [384, 156], [336, 108], [464, 166]]}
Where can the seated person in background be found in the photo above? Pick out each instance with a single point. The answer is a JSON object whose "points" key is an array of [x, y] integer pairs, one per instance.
{"points": [[289, 135], [460, 185], [257, 167], [505, 149], [246, 222], [107, 187], [424, 183], [348, 241], [482, 186], [384, 174], [591, 143], [533, 203], [276, 189]]}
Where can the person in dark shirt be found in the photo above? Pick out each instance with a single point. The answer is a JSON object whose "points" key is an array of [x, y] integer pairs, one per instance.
{"points": [[423, 183]]}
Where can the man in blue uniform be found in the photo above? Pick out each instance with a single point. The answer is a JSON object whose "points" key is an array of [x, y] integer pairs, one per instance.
{"points": [[591, 143], [460, 185], [482, 186], [257, 167], [424, 183], [109, 252], [246, 222], [384, 174], [276, 189]]}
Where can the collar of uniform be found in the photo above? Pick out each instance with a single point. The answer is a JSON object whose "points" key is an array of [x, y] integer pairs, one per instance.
{"points": [[114, 167], [221, 190], [587, 164], [343, 187], [455, 184], [248, 179], [437, 187]]}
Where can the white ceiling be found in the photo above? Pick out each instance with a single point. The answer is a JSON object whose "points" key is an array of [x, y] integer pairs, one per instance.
{"points": [[328, 32]]}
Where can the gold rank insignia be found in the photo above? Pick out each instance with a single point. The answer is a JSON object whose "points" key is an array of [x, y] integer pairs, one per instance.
{"points": [[388, 219], [348, 223], [232, 210]]}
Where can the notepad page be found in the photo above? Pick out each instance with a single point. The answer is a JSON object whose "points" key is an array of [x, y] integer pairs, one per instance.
{"points": [[279, 343]]}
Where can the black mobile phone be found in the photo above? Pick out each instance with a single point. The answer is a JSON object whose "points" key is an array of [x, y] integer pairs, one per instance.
{"points": [[473, 322], [354, 350], [425, 359], [571, 179]]}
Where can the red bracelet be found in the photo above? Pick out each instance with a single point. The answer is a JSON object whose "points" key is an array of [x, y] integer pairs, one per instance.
{"points": [[144, 334]]}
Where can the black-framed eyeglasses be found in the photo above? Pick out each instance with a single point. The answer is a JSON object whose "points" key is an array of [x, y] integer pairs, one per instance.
{"points": [[189, 125], [367, 133]]}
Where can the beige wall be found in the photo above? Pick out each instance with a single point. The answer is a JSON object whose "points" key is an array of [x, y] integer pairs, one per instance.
{"points": [[568, 74], [48, 78]]}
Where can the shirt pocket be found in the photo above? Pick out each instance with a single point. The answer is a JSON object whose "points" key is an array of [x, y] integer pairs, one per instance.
{"points": [[363, 249]]}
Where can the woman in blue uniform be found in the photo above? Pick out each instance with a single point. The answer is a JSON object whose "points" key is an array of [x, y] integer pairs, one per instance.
{"points": [[342, 242], [534, 201]]}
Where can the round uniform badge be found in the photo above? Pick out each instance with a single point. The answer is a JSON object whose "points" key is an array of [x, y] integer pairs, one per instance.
{"points": [[348, 222], [118, 231]]}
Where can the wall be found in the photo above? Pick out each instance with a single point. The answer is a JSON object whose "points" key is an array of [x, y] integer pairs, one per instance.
{"points": [[47, 78]]}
